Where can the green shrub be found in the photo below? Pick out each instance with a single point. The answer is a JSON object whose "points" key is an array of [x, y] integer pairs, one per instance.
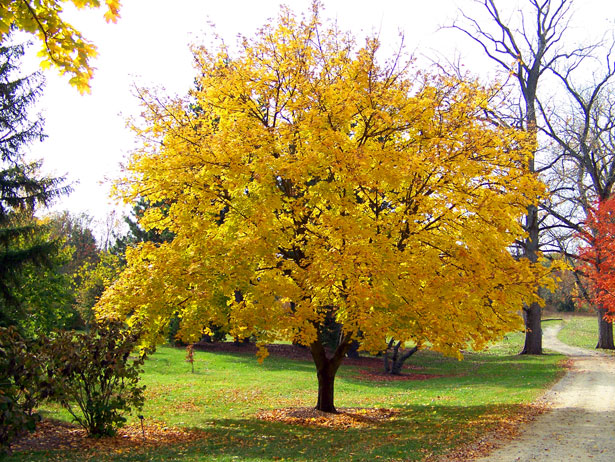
{"points": [[23, 385], [95, 378]]}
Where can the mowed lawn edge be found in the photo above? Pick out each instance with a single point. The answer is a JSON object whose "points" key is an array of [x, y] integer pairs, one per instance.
{"points": [[581, 330], [438, 405]]}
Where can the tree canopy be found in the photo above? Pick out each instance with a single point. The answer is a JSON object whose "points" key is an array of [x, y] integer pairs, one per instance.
{"points": [[63, 46], [596, 257], [306, 180]]}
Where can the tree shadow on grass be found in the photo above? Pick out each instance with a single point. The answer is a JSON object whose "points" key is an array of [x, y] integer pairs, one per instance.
{"points": [[414, 433]]}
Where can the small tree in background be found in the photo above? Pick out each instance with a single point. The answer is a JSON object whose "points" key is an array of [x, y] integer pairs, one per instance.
{"points": [[395, 357], [75, 232], [91, 280], [190, 356]]}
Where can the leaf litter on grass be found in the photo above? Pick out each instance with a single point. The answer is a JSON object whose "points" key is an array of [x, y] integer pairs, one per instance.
{"points": [[345, 418], [54, 435], [503, 427]]}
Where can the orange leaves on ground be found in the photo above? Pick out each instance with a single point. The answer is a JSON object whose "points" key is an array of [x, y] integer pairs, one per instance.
{"points": [[345, 418], [505, 428], [377, 375], [52, 435]]}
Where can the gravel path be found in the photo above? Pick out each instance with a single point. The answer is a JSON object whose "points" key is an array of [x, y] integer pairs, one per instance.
{"points": [[581, 423]]}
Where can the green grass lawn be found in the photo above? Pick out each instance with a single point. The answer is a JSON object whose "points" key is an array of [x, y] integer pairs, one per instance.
{"points": [[226, 391], [581, 330]]}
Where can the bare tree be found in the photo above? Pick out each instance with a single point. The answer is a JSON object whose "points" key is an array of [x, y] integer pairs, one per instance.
{"points": [[525, 45], [108, 229], [394, 359], [583, 169]]}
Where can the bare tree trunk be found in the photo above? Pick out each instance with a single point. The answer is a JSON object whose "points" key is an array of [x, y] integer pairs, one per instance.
{"points": [[605, 328], [533, 330], [525, 53], [393, 360], [326, 388], [605, 332], [532, 313], [326, 368]]}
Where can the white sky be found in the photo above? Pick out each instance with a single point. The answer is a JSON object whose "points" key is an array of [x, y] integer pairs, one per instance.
{"points": [[87, 138]]}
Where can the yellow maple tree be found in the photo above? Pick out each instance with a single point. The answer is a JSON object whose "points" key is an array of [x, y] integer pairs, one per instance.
{"points": [[304, 180], [63, 46]]}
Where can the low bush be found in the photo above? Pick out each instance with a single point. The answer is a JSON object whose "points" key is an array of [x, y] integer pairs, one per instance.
{"points": [[95, 377], [23, 384]]}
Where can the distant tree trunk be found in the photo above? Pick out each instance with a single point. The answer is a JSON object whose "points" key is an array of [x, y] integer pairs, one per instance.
{"points": [[353, 350], [532, 313], [393, 360], [241, 342], [605, 332], [605, 329], [326, 368]]}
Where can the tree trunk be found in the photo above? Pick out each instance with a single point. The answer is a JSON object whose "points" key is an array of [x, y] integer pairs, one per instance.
{"points": [[533, 330], [533, 312], [326, 368], [326, 386], [533, 49], [353, 350], [605, 332], [393, 360]]}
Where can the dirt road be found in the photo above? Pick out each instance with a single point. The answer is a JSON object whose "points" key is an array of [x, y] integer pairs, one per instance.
{"points": [[581, 424]]}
